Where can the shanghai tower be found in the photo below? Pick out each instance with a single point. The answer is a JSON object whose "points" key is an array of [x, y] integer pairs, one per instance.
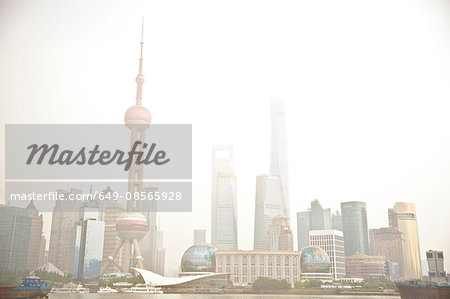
{"points": [[279, 155]]}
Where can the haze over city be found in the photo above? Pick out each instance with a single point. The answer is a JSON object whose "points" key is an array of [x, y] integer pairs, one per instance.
{"points": [[365, 88]]}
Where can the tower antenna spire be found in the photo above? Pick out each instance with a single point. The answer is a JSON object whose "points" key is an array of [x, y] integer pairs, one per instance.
{"points": [[140, 76]]}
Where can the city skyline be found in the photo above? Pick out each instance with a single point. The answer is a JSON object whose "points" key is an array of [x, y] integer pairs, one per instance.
{"points": [[345, 144]]}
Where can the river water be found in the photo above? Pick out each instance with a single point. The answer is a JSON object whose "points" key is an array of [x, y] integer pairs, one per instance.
{"points": [[207, 296]]}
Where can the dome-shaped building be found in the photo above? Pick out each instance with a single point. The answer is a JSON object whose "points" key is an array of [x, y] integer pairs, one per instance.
{"points": [[199, 258], [314, 260]]}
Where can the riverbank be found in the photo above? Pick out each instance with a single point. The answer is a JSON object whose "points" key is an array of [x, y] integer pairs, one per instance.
{"points": [[312, 292]]}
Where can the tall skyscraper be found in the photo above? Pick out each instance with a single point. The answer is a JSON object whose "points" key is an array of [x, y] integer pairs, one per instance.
{"points": [[65, 216], [15, 227], [224, 210], [316, 218], [109, 213], [332, 241], [199, 236], [354, 224], [279, 152], [390, 243], [372, 233], [320, 217], [34, 245], [436, 270], [303, 229], [91, 248], [336, 221], [267, 206], [279, 236], [392, 218], [132, 225], [404, 215], [153, 250]]}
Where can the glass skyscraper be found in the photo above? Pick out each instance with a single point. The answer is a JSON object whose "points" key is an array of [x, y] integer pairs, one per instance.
{"points": [[354, 224], [267, 206], [224, 196], [15, 228], [404, 215], [279, 152], [91, 249], [303, 227]]}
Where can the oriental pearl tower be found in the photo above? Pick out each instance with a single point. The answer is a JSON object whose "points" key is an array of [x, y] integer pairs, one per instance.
{"points": [[132, 225]]}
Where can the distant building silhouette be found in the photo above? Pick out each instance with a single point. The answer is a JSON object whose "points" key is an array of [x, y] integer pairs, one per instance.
{"points": [[316, 218], [267, 206], [15, 225], [279, 152], [35, 251], [224, 210], [279, 236], [336, 221], [303, 227], [199, 236], [64, 217]]}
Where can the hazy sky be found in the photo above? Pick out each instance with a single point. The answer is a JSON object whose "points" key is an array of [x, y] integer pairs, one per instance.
{"points": [[366, 85]]}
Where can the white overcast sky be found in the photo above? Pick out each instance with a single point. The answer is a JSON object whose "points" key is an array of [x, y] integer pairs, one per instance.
{"points": [[366, 85]]}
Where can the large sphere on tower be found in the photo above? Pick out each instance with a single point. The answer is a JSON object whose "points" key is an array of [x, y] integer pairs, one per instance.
{"points": [[137, 115], [131, 225]]}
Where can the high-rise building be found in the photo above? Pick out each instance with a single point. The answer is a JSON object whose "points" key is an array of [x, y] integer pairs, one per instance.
{"points": [[34, 245], [267, 206], [15, 225], [86, 243], [390, 243], [91, 248], [372, 233], [365, 266], [279, 152], [109, 213], [336, 221], [303, 229], [279, 236], [75, 248], [332, 241], [392, 218], [153, 250], [316, 218], [199, 236], [64, 217], [42, 251], [436, 270], [354, 224], [224, 209], [404, 218]]}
